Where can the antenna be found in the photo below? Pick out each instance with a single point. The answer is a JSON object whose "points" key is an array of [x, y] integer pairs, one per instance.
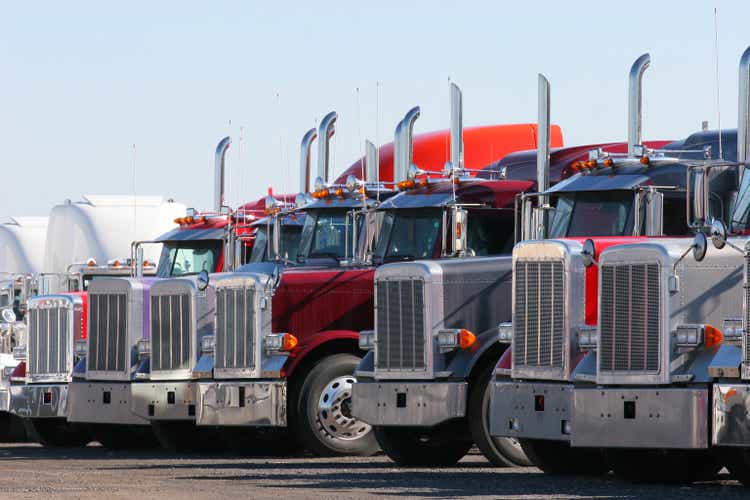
{"points": [[359, 136], [716, 63], [377, 126], [135, 204], [243, 177]]}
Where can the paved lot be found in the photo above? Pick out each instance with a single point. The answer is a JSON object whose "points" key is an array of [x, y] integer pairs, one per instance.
{"points": [[29, 471]]}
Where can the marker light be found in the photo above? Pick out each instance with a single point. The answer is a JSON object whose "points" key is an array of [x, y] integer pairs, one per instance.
{"points": [[189, 220], [407, 184], [424, 182], [576, 166], [590, 163], [644, 160], [323, 193], [91, 262], [449, 340], [608, 162], [712, 336], [339, 192]]}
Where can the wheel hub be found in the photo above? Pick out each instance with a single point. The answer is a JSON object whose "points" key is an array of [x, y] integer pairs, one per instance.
{"points": [[334, 411]]}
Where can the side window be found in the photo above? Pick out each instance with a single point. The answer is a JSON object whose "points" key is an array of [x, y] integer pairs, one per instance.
{"points": [[674, 216], [490, 232]]}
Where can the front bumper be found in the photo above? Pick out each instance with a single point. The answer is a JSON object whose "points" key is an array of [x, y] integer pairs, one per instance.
{"points": [[731, 407], [39, 400], [102, 403], [398, 403], [638, 417], [256, 403], [164, 400], [531, 410]]}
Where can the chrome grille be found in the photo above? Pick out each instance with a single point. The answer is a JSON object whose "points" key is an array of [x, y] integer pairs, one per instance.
{"points": [[235, 328], [49, 340], [171, 339], [108, 327], [400, 325], [629, 318], [539, 314], [746, 325]]}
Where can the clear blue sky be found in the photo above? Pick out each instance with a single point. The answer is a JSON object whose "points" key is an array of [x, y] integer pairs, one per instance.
{"points": [[80, 82]]}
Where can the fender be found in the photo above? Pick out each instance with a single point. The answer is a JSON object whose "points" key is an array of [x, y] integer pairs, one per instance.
{"points": [[314, 341], [505, 360], [465, 360]]}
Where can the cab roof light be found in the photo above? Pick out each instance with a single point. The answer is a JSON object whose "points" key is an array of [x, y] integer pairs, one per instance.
{"points": [[645, 160], [406, 184], [608, 162]]}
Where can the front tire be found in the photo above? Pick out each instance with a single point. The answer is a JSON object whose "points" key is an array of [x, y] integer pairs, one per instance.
{"points": [[500, 451], [57, 432], [442, 445], [322, 417], [124, 437], [663, 466], [557, 457]]}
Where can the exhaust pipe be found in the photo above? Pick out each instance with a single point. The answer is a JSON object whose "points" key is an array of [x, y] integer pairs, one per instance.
{"points": [[325, 132], [635, 101], [743, 116], [457, 129], [304, 161], [542, 152], [372, 163], [403, 153], [219, 162]]}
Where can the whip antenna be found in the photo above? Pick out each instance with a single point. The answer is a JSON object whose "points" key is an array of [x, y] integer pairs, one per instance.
{"points": [[716, 64]]}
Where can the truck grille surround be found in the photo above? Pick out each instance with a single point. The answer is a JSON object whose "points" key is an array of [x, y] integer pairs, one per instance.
{"points": [[108, 332], [49, 338], [400, 325], [539, 314], [629, 318], [171, 332], [235, 328], [746, 317]]}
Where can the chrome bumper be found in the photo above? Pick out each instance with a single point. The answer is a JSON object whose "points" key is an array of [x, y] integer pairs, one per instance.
{"points": [[39, 400], [102, 403], [531, 410], [422, 404], [164, 400], [640, 418], [731, 407], [259, 403]]}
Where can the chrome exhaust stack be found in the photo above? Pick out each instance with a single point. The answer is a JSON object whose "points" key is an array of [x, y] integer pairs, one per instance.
{"points": [[219, 165], [543, 150], [304, 162], [635, 102], [325, 132], [457, 128], [743, 115], [403, 144]]}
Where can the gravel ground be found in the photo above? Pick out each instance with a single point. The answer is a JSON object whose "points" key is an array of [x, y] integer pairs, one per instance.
{"points": [[30, 471]]}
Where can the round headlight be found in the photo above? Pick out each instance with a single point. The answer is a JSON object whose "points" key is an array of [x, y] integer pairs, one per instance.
{"points": [[412, 172], [300, 200], [351, 183]]}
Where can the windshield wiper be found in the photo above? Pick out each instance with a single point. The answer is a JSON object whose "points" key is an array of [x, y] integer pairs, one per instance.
{"points": [[395, 258]]}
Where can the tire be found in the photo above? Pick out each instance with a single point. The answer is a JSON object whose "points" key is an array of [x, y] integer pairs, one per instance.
{"points": [[442, 445], [663, 466], [183, 436], [321, 417], [12, 429], [500, 451], [557, 457], [124, 437], [738, 463], [57, 432]]}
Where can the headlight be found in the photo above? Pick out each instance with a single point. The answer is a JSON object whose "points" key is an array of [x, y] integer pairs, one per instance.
{"points": [[278, 342], [587, 337], [208, 344], [505, 332], [144, 348], [732, 328], [20, 352], [449, 340], [367, 340], [689, 335], [81, 348]]}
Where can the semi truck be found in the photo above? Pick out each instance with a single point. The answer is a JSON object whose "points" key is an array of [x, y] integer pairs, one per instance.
{"points": [[557, 403]]}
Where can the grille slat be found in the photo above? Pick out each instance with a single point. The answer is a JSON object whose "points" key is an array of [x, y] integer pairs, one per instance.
{"points": [[539, 314], [630, 318], [49, 341], [400, 326], [235, 328], [108, 332], [171, 332]]}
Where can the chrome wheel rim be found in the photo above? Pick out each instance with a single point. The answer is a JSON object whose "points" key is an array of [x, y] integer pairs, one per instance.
{"points": [[334, 411]]}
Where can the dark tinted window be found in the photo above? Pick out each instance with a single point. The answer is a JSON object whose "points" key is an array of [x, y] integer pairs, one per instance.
{"points": [[189, 257]]}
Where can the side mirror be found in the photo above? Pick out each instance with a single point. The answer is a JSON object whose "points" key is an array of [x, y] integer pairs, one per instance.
{"points": [[700, 245], [700, 204], [718, 234], [138, 261], [203, 279], [460, 223], [8, 315]]}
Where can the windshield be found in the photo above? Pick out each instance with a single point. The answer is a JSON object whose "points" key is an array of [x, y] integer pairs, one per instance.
{"points": [[596, 213], [325, 235], [408, 234], [189, 257], [259, 245]]}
